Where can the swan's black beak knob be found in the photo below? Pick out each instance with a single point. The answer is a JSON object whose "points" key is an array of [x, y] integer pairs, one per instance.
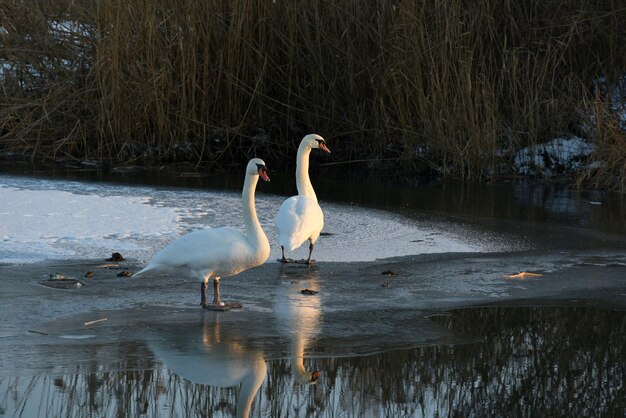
{"points": [[324, 148]]}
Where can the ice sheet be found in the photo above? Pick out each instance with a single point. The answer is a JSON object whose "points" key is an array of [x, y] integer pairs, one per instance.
{"points": [[51, 219]]}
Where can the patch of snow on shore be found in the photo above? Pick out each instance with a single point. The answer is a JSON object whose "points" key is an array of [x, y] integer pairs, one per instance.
{"points": [[559, 156]]}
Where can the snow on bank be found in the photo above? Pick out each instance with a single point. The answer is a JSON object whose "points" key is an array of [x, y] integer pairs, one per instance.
{"points": [[558, 156], [569, 154], [54, 220]]}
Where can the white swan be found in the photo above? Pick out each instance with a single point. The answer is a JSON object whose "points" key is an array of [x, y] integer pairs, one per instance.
{"points": [[218, 252], [300, 217], [212, 361]]}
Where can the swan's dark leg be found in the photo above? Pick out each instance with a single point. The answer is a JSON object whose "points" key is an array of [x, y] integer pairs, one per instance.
{"points": [[217, 304], [203, 294], [308, 260], [284, 259], [216, 291]]}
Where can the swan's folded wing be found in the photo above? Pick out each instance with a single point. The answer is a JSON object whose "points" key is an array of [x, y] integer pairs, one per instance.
{"points": [[298, 219], [203, 248]]}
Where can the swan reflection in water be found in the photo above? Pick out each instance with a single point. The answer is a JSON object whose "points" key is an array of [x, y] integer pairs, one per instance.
{"points": [[212, 358], [212, 361], [299, 315]]}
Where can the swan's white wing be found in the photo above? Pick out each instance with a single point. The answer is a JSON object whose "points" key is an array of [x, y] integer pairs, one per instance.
{"points": [[299, 218], [223, 251]]}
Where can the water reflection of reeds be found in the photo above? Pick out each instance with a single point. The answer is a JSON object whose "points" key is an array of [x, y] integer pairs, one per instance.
{"points": [[522, 362]]}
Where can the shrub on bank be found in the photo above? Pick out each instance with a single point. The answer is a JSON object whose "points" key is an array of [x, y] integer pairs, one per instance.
{"points": [[445, 88]]}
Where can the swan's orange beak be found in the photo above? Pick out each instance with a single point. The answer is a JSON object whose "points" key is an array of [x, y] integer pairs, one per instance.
{"points": [[263, 173], [324, 148]]}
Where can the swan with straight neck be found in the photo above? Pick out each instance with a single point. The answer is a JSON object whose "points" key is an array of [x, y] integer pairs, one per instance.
{"points": [[300, 218]]}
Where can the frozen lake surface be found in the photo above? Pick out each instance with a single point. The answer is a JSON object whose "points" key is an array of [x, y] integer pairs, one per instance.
{"points": [[415, 312], [54, 219]]}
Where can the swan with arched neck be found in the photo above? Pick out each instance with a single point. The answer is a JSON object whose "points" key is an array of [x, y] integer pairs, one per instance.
{"points": [[214, 253]]}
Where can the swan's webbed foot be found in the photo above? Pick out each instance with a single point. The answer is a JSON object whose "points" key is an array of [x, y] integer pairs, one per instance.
{"points": [[222, 306], [309, 261], [217, 304]]}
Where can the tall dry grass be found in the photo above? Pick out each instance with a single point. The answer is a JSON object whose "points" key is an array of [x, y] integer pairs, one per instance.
{"points": [[454, 87], [609, 161]]}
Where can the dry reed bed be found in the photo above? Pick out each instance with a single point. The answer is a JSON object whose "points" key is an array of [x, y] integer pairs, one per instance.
{"points": [[451, 87]]}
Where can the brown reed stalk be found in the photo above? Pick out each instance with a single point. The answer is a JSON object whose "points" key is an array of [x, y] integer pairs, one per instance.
{"points": [[405, 85], [608, 163]]}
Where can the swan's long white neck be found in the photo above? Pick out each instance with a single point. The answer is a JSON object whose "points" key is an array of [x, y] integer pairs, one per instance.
{"points": [[254, 363], [303, 182], [303, 376], [254, 232]]}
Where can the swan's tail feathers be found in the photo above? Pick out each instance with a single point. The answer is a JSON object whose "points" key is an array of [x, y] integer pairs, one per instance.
{"points": [[145, 271]]}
